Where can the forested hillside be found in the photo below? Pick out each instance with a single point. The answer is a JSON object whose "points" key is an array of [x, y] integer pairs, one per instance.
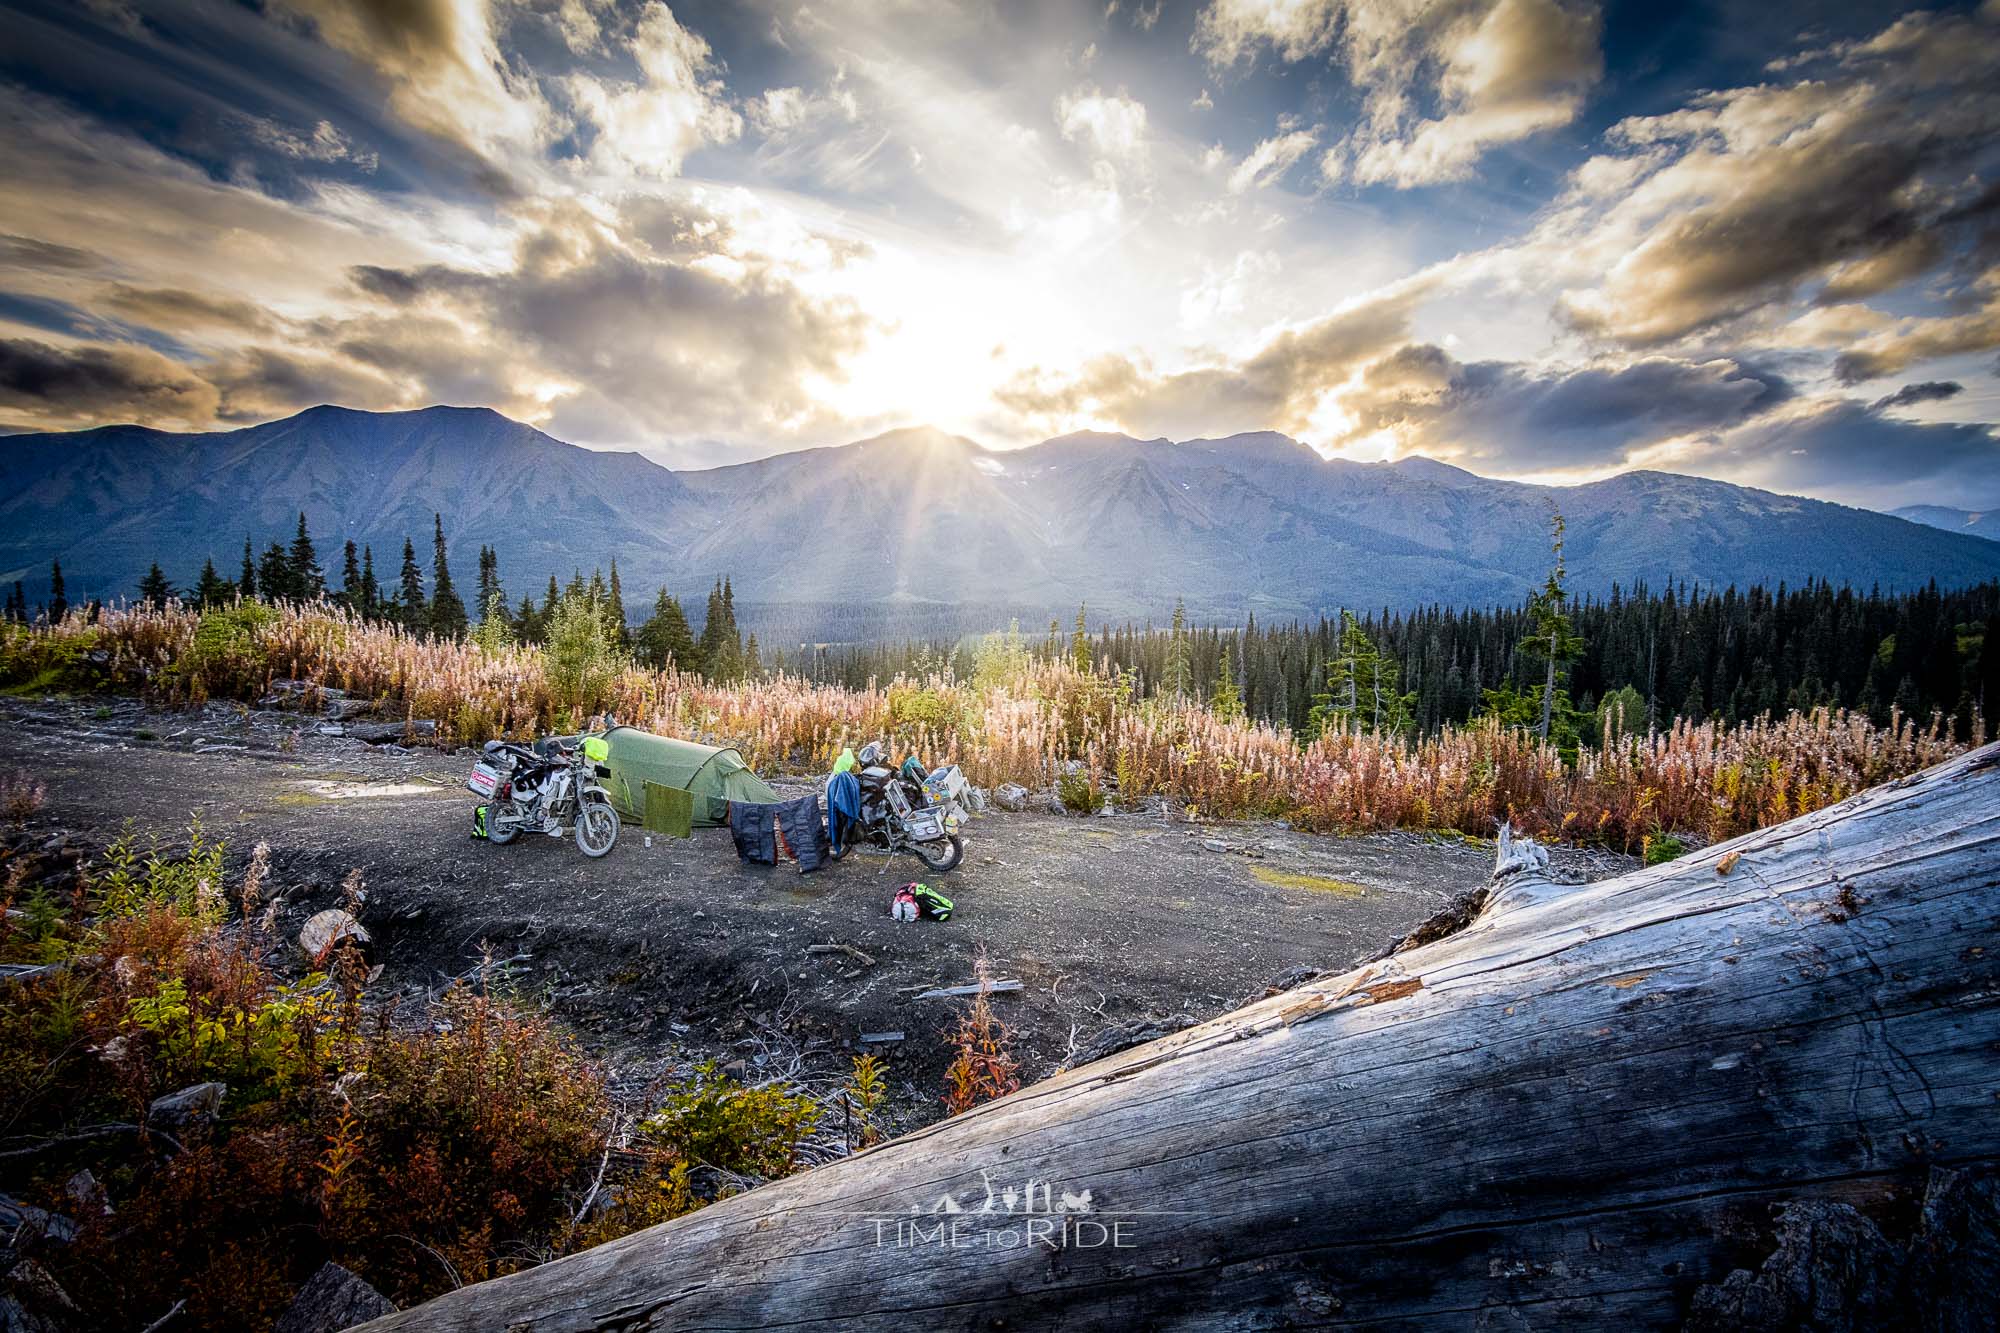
{"points": [[1729, 655]]}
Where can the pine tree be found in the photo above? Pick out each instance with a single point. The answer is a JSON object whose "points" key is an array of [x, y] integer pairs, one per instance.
{"points": [[154, 590], [1554, 640], [717, 659], [274, 574], [448, 619], [371, 591], [1225, 702], [527, 621], [213, 589], [1079, 643], [246, 583], [415, 611], [58, 602], [614, 612], [1176, 676], [752, 667], [350, 577], [308, 580], [666, 638], [1363, 687]]}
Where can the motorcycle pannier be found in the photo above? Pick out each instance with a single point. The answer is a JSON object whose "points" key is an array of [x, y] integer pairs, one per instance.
{"points": [[484, 780]]}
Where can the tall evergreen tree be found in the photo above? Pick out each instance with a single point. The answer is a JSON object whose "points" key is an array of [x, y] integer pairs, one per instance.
{"points": [[58, 599], [415, 610], [351, 594], [614, 612], [274, 575], [1079, 643], [371, 590], [1176, 675], [154, 590], [666, 638], [213, 589], [1554, 639], [1225, 701], [246, 583], [447, 618], [308, 579], [1363, 687]]}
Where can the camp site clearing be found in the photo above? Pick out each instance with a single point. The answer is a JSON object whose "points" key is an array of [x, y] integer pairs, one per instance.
{"points": [[661, 954]]}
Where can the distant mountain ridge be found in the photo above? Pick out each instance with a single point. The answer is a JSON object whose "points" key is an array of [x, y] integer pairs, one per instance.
{"points": [[1975, 523], [916, 528]]}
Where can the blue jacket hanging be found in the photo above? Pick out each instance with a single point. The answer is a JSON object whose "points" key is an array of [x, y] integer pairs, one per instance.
{"points": [[843, 808]]}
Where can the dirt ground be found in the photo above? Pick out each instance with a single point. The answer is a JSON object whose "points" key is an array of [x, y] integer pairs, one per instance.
{"points": [[658, 955]]}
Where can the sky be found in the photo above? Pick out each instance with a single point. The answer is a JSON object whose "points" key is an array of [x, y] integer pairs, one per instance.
{"points": [[1541, 239]]}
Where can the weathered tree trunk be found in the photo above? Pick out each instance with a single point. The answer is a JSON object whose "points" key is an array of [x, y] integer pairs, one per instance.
{"points": [[1578, 1110]]}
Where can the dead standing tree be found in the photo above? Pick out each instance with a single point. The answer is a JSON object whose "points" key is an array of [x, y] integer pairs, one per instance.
{"points": [[1582, 1108]]}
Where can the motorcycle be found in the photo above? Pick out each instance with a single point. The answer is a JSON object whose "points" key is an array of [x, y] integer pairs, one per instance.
{"points": [[909, 810], [526, 792]]}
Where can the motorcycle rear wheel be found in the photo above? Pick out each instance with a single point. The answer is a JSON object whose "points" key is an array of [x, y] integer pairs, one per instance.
{"points": [[953, 851], [596, 828], [497, 833]]}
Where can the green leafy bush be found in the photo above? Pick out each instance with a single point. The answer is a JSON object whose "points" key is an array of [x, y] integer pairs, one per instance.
{"points": [[227, 658], [1661, 848], [1081, 792], [713, 1120]]}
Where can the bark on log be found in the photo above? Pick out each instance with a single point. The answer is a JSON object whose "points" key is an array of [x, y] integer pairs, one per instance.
{"points": [[1577, 1111]]}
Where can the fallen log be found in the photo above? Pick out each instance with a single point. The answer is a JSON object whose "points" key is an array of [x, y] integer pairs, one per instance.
{"points": [[1590, 1107]]}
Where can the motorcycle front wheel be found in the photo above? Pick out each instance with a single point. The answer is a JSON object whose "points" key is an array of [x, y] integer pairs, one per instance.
{"points": [[941, 856], [596, 828]]}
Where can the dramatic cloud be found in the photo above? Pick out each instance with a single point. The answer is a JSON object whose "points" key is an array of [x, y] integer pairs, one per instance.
{"points": [[1383, 226], [1860, 179], [1495, 73], [64, 387], [1848, 450], [1506, 417]]}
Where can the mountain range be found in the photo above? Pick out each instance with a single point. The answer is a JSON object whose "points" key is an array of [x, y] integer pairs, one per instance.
{"points": [[1977, 523], [917, 531]]}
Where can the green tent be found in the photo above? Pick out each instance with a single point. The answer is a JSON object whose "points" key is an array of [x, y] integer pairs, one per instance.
{"points": [[712, 777]]}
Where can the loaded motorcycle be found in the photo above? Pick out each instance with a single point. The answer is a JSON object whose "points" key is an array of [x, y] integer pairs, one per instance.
{"points": [[908, 810], [553, 793]]}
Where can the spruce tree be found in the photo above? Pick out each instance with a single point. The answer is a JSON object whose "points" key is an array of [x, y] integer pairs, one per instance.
{"points": [[154, 590], [274, 574], [1363, 687], [447, 619], [1554, 640], [752, 667], [666, 638], [1079, 643], [415, 612], [371, 591], [308, 580], [1176, 676], [350, 577], [1225, 702], [246, 583], [614, 612], [58, 602], [213, 589]]}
